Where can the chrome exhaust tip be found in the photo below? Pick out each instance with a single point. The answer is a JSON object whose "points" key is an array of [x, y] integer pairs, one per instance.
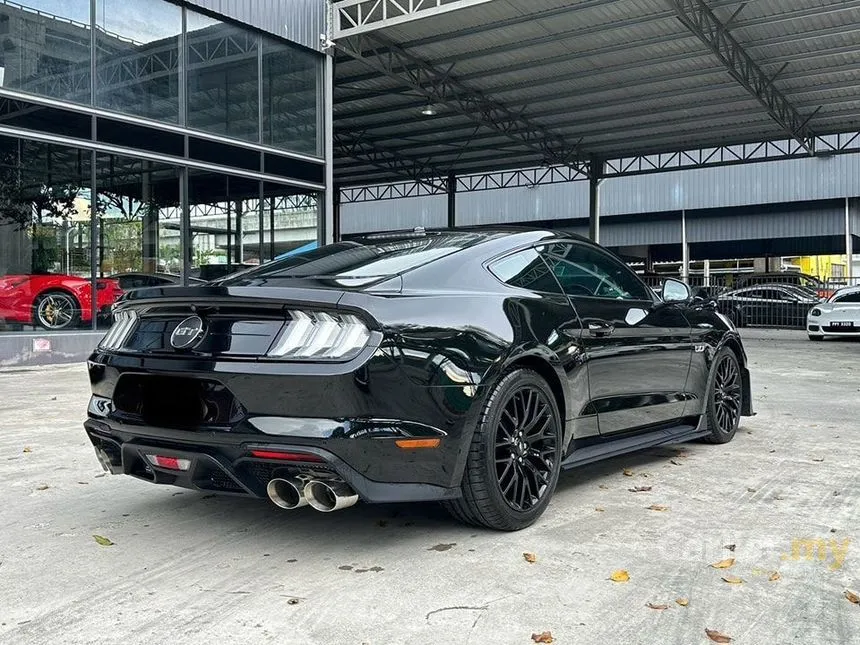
{"points": [[286, 493], [328, 496]]}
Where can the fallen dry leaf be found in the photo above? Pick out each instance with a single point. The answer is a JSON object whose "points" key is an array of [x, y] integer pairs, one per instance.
{"points": [[603, 487], [717, 637], [651, 605], [293, 601], [600, 509], [658, 507], [773, 577], [682, 601], [628, 472], [818, 459], [733, 580], [675, 462], [543, 637], [852, 597], [620, 576], [730, 547], [102, 540], [639, 489], [723, 564], [28, 449], [42, 487], [530, 557]]}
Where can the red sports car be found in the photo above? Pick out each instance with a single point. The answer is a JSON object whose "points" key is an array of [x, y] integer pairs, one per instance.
{"points": [[53, 301]]}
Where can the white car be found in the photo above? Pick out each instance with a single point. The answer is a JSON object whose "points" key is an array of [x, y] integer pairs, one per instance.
{"points": [[838, 316]]}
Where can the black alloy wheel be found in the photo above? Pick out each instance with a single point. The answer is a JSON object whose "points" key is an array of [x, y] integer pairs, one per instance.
{"points": [[526, 440], [515, 455], [725, 397]]}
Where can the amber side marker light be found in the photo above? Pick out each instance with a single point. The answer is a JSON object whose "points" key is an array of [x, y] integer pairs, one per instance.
{"points": [[409, 444]]}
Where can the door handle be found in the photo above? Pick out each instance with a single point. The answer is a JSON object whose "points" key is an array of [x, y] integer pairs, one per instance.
{"points": [[600, 328]]}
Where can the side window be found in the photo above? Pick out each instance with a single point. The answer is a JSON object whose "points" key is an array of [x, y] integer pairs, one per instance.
{"points": [[848, 297], [756, 294], [586, 271], [526, 270]]}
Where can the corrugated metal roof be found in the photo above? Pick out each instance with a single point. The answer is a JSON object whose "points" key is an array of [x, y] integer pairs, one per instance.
{"points": [[618, 77]]}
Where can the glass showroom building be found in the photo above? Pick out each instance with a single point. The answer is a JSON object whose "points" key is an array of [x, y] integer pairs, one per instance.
{"points": [[145, 141]]}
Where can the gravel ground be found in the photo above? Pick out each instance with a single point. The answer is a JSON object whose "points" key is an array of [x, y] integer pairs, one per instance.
{"points": [[782, 500]]}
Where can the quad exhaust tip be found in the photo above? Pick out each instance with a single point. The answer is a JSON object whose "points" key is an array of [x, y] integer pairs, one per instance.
{"points": [[328, 496], [287, 493], [325, 496]]}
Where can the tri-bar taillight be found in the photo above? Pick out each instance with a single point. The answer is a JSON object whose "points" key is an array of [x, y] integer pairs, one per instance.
{"points": [[119, 332], [319, 335]]}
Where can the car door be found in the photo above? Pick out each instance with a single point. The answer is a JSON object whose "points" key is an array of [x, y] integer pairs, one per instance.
{"points": [[549, 321], [637, 349]]}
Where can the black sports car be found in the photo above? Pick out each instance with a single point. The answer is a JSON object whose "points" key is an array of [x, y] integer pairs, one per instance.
{"points": [[467, 366]]}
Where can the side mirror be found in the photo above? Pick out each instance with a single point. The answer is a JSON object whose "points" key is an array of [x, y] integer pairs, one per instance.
{"points": [[675, 291]]}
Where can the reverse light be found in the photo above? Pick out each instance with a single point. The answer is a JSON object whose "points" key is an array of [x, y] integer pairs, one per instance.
{"points": [[286, 456], [171, 463], [815, 312], [320, 335], [124, 322]]}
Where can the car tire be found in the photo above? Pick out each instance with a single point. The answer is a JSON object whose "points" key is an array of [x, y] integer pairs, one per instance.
{"points": [[811, 337], [510, 474], [725, 395], [56, 310]]}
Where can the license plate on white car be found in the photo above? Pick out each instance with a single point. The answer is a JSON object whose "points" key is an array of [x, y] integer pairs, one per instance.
{"points": [[843, 324]]}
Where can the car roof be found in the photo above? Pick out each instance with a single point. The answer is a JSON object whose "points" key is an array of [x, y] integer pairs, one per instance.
{"points": [[516, 235]]}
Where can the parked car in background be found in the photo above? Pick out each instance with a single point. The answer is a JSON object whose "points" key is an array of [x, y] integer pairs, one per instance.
{"points": [[132, 280], [838, 317], [787, 278], [465, 366], [54, 301], [776, 305]]}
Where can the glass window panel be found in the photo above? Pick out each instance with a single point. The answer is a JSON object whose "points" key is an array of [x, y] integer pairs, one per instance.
{"points": [[588, 271], [45, 223], [526, 270], [139, 241], [46, 48], [137, 57], [291, 97], [223, 78], [225, 223]]}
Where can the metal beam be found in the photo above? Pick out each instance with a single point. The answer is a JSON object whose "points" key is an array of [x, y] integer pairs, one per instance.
{"points": [[845, 143], [353, 17], [696, 16], [357, 147], [440, 88]]}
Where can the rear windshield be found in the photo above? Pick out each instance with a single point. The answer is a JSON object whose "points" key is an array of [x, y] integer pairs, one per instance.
{"points": [[370, 258]]}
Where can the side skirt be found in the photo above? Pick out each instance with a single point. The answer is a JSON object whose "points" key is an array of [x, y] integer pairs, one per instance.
{"points": [[623, 445]]}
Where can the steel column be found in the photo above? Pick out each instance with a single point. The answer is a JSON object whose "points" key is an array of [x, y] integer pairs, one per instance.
{"points": [[849, 243], [595, 177], [336, 215], [325, 232], [685, 249], [452, 200]]}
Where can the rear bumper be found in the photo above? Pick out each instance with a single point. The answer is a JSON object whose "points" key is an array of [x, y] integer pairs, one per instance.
{"points": [[351, 416], [227, 466]]}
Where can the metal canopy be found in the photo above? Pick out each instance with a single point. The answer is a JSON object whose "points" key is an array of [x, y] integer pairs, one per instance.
{"points": [[426, 89]]}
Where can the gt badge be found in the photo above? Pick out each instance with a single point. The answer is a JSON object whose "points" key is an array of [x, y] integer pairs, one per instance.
{"points": [[188, 333]]}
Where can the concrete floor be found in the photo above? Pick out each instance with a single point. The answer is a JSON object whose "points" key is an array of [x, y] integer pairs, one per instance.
{"points": [[193, 568]]}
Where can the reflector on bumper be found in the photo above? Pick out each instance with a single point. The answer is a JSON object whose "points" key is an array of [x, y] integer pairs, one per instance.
{"points": [[171, 463]]}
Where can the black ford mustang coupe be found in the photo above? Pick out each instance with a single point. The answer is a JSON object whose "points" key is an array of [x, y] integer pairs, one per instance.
{"points": [[467, 366]]}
